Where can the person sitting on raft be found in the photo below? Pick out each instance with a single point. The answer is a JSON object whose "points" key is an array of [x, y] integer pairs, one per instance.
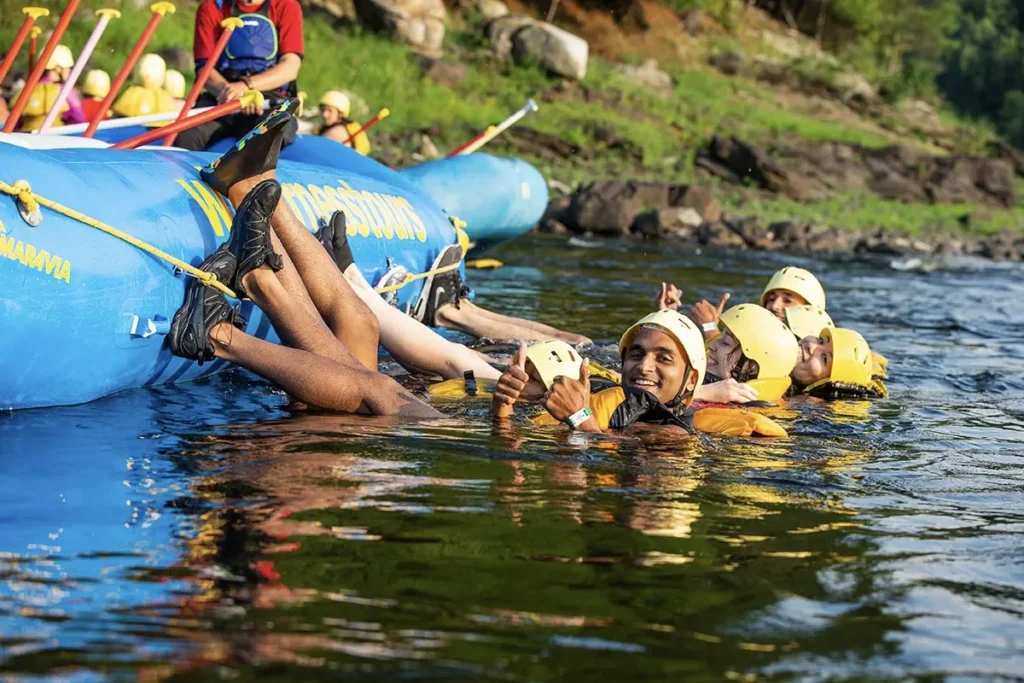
{"points": [[663, 363], [44, 94], [95, 88], [330, 362], [335, 108], [174, 85], [264, 54], [147, 96]]}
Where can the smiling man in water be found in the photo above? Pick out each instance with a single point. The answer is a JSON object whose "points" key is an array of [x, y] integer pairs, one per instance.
{"points": [[663, 362]]}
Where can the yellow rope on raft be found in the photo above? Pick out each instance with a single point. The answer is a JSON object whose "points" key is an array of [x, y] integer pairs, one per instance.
{"points": [[32, 201], [413, 278]]}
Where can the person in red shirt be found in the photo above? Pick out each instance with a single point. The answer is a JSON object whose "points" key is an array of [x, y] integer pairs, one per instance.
{"points": [[264, 54]]}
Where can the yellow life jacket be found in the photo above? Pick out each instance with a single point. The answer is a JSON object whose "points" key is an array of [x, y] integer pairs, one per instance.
{"points": [[722, 421], [139, 101], [39, 103], [360, 143]]}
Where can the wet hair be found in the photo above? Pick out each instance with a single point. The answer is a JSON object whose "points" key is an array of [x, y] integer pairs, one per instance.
{"points": [[836, 390], [745, 369]]}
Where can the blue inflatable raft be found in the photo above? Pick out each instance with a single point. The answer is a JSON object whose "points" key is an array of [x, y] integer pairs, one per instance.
{"points": [[498, 198], [84, 314]]}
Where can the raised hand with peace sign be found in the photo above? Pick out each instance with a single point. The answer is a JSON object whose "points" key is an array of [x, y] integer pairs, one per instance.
{"points": [[706, 314], [669, 298]]}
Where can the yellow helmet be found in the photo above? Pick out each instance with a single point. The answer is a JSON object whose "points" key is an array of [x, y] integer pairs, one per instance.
{"points": [[763, 339], [880, 365], [550, 359], [797, 280], [679, 327], [61, 58], [807, 321], [151, 70], [338, 100], [174, 84], [852, 367], [97, 83]]}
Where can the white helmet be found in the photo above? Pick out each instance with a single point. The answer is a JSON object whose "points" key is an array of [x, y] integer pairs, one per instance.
{"points": [[151, 70], [174, 84], [61, 58]]}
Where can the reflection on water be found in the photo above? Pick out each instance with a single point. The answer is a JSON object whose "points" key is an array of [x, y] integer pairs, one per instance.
{"points": [[203, 532]]}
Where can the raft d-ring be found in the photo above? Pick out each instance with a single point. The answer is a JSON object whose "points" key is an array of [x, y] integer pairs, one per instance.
{"points": [[28, 207]]}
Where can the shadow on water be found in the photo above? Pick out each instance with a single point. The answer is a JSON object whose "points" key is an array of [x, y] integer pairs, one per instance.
{"points": [[204, 532]]}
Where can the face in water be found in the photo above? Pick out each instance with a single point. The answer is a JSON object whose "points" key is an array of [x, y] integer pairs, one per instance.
{"points": [[330, 115], [655, 363], [723, 354], [778, 300], [815, 360]]}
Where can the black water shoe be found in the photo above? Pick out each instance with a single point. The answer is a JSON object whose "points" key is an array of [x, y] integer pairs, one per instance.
{"points": [[249, 242], [341, 252], [204, 308], [440, 288], [255, 153]]}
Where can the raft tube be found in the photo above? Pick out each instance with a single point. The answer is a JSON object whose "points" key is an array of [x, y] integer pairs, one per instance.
{"points": [[499, 198], [84, 314]]}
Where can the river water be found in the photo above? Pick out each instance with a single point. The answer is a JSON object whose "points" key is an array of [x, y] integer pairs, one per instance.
{"points": [[202, 532]]}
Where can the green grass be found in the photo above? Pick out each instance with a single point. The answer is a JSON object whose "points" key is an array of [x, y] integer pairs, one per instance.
{"points": [[666, 131], [863, 213]]}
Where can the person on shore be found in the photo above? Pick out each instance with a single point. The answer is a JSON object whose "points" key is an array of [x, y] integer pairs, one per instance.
{"points": [[330, 362], [44, 94], [147, 96], [335, 108], [264, 54], [95, 88], [663, 364]]}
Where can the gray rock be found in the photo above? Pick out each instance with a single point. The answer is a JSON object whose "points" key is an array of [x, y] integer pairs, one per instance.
{"points": [[500, 32], [491, 9], [446, 72], [697, 198], [556, 50], [648, 75], [729, 63], [420, 23], [609, 207]]}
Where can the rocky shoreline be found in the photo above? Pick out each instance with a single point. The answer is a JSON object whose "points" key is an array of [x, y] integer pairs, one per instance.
{"points": [[687, 213]]}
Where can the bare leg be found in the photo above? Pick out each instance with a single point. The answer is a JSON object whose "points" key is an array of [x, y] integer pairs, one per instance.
{"points": [[316, 380], [292, 321], [315, 281], [414, 345], [479, 322]]}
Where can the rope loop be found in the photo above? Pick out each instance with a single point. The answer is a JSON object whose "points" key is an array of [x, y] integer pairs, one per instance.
{"points": [[25, 196]]}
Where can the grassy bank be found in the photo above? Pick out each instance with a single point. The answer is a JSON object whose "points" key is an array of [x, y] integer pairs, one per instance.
{"points": [[657, 136]]}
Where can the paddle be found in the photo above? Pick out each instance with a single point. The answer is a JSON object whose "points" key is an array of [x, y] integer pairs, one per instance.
{"points": [[105, 15], [493, 131], [158, 9], [31, 14], [40, 66], [251, 97], [229, 25]]}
